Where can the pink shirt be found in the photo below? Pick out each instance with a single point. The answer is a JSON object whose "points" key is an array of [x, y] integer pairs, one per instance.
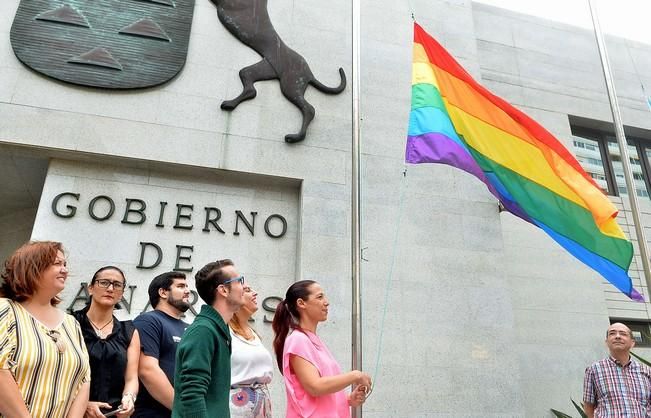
{"points": [[301, 404]]}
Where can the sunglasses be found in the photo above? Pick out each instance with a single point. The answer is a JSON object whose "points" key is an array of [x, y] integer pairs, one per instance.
{"points": [[236, 279]]}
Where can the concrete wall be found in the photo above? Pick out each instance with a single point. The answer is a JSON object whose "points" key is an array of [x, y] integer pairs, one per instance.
{"points": [[485, 315], [16, 229], [521, 58], [551, 70]]}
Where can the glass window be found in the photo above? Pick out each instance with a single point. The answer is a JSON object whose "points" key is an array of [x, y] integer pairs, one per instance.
{"points": [[636, 166], [587, 153], [590, 145], [647, 152]]}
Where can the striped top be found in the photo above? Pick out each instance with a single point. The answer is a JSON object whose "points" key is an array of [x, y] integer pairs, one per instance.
{"points": [[48, 376], [456, 121]]}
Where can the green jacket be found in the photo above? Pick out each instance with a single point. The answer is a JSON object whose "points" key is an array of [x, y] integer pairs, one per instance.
{"points": [[202, 379]]}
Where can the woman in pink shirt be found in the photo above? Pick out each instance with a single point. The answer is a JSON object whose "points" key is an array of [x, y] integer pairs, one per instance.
{"points": [[313, 380]]}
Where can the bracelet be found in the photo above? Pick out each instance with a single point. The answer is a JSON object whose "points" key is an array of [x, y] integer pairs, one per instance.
{"points": [[131, 395]]}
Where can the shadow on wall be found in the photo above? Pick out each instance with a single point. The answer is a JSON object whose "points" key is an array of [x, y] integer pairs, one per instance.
{"points": [[22, 176]]}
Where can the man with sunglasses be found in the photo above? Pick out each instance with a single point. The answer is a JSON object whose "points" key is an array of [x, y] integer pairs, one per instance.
{"points": [[202, 379]]}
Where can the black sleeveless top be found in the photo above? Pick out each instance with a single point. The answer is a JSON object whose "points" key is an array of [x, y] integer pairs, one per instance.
{"points": [[108, 358]]}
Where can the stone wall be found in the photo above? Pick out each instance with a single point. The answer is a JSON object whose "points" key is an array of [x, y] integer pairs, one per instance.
{"points": [[468, 312]]}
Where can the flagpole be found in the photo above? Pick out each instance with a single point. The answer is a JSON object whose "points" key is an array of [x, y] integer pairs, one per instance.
{"points": [[623, 148], [356, 317]]}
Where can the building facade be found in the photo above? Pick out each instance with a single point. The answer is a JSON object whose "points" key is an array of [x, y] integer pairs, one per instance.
{"points": [[485, 315]]}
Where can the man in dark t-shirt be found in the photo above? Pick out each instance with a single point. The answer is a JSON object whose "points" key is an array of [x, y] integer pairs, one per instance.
{"points": [[160, 332]]}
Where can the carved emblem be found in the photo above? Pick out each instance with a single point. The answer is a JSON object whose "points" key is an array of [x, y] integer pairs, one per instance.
{"points": [[117, 44], [248, 21]]}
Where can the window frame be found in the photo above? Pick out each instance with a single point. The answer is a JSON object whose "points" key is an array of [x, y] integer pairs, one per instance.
{"points": [[602, 138]]}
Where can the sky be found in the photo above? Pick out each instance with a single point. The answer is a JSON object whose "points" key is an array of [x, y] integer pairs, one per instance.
{"points": [[625, 18]]}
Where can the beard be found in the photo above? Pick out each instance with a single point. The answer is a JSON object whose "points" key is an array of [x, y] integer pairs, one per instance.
{"points": [[178, 303]]}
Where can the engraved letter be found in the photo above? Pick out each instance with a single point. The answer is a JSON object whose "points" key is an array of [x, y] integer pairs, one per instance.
{"points": [[71, 209]]}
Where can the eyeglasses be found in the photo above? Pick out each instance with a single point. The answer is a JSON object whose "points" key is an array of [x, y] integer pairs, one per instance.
{"points": [[236, 279], [104, 284]]}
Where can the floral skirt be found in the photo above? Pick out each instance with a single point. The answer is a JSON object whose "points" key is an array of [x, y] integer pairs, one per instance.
{"points": [[250, 402]]}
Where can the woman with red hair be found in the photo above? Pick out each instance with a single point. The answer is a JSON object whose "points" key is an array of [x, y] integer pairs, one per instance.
{"points": [[44, 369]]}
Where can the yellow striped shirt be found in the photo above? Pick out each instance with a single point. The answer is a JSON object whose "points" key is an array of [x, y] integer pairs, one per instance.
{"points": [[47, 378]]}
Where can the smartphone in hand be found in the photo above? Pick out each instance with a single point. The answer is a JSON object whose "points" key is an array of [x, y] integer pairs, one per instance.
{"points": [[113, 412]]}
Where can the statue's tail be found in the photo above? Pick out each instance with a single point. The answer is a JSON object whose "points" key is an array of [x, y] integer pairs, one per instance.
{"points": [[331, 90]]}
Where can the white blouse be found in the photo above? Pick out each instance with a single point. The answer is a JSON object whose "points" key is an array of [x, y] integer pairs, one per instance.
{"points": [[251, 362]]}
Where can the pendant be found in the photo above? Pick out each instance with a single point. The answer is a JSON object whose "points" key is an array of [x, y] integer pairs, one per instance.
{"points": [[56, 337], [99, 333]]}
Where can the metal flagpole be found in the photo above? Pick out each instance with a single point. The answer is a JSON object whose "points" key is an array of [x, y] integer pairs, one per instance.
{"points": [[356, 327], [623, 147]]}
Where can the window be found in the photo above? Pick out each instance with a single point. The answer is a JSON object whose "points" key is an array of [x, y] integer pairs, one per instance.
{"points": [[598, 153], [641, 331], [589, 155]]}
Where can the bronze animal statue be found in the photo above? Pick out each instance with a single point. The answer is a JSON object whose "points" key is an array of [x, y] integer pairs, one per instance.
{"points": [[248, 21]]}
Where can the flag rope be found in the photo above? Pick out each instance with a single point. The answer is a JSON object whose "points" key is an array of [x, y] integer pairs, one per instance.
{"points": [[385, 304]]}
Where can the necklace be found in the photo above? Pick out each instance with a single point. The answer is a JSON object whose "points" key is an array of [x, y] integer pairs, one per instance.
{"points": [[98, 330], [249, 336]]}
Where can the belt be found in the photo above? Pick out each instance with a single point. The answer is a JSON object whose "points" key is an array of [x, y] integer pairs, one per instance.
{"points": [[254, 386]]}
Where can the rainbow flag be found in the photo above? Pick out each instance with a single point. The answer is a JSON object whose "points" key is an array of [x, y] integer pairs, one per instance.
{"points": [[456, 121]]}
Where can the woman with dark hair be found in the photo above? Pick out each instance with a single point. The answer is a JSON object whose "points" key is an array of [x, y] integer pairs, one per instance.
{"points": [[313, 380], [44, 370], [113, 347]]}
